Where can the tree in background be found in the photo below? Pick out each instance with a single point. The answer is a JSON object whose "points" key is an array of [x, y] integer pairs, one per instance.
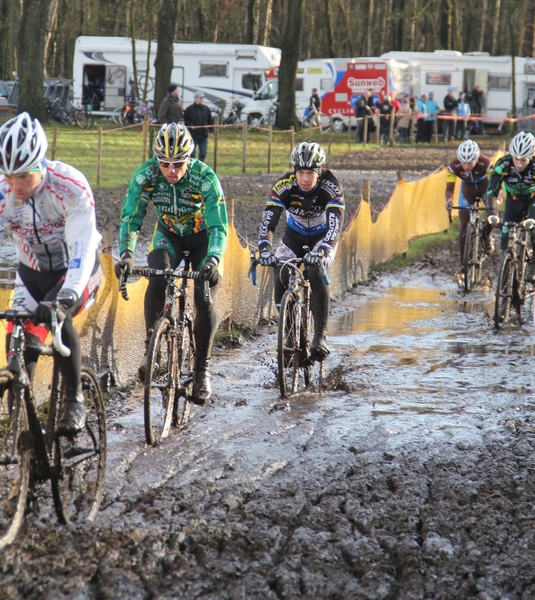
{"points": [[290, 55], [164, 54]]}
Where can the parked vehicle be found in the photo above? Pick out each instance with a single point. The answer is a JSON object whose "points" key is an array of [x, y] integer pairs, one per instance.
{"points": [[103, 66]]}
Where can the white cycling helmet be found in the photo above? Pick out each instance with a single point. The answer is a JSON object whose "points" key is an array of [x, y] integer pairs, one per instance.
{"points": [[310, 156], [468, 151], [23, 145], [522, 145]]}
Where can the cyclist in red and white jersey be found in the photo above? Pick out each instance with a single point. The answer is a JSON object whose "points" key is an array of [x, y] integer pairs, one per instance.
{"points": [[473, 169], [49, 209]]}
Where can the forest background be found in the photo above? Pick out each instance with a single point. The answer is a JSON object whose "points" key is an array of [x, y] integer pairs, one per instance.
{"points": [[37, 37]]}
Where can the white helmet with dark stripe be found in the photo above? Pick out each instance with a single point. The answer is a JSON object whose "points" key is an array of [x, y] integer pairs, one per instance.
{"points": [[23, 145], [309, 156], [522, 145], [468, 151]]}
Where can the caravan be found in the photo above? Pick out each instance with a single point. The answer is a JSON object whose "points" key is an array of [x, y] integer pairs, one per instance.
{"points": [[439, 70], [103, 67]]}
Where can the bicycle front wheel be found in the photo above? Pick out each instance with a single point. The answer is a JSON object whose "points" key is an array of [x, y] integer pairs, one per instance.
{"points": [[504, 291], [83, 119], [15, 450], [468, 259], [186, 357], [287, 348], [160, 382], [80, 461]]}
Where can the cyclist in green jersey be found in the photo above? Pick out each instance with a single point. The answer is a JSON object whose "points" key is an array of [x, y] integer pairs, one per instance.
{"points": [[516, 173], [189, 201]]}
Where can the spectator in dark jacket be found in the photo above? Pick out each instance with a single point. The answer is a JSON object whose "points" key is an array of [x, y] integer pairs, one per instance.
{"points": [[170, 107], [198, 118], [362, 110], [385, 110], [448, 125]]}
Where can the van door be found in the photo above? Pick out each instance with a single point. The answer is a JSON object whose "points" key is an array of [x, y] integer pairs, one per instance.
{"points": [[115, 87]]}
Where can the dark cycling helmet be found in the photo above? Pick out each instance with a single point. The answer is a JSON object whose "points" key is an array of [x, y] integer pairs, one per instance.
{"points": [[174, 141], [468, 151], [522, 145], [23, 145], [309, 156]]}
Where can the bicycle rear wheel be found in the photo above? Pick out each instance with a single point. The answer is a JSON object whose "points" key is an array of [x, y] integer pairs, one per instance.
{"points": [[15, 461], [287, 347], [186, 357], [160, 382], [83, 119], [80, 461], [504, 291]]}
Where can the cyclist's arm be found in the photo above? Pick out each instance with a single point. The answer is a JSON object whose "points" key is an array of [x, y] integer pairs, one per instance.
{"points": [[215, 215], [496, 178], [270, 219], [451, 178], [135, 206]]}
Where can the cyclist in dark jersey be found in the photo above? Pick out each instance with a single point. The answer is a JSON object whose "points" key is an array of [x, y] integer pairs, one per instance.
{"points": [[473, 169], [516, 173], [314, 203], [188, 199]]}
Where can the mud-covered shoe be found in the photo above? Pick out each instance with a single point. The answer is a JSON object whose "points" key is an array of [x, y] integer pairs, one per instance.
{"points": [[320, 349], [489, 245], [71, 418], [202, 388]]}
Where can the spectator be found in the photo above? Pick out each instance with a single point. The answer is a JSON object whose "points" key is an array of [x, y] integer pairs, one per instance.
{"points": [[448, 124], [421, 109], [131, 98], [385, 108], [404, 115], [372, 103], [463, 112], [473, 110], [170, 108], [198, 118], [362, 110], [395, 103], [432, 112], [314, 111], [479, 106]]}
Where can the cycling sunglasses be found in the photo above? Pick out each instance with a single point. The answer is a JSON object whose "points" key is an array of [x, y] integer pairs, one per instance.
{"points": [[166, 164]]}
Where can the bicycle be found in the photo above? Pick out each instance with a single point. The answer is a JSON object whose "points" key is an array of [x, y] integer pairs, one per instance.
{"points": [[32, 453], [170, 355], [56, 109], [512, 290], [294, 330], [474, 254]]}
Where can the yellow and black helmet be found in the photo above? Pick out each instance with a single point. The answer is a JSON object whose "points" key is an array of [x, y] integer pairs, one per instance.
{"points": [[173, 141]]}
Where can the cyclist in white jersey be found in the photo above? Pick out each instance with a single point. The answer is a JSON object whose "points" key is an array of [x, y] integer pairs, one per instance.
{"points": [[49, 209]]}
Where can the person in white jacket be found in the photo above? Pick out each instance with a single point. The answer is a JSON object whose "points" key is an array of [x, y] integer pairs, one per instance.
{"points": [[463, 114], [49, 209]]}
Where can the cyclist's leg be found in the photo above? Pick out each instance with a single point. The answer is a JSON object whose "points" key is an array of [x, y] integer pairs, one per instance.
{"points": [[531, 215], [464, 219], [513, 213], [283, 253]]}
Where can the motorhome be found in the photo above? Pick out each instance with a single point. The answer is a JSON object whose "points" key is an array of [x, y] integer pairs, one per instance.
{"points": [[103, 68], [437, 71], [312, 73]]}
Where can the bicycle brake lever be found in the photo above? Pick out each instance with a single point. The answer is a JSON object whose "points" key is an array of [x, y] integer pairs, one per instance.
{"points": [[207, 295], [56, 328]]}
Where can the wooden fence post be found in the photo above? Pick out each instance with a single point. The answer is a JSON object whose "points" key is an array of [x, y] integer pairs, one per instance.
{"points": [[349, 135], [54, 141], [216, 137], [366, 190], [377, 129], [365, 132], [411, 130], [435, 131], [145, 132], [392, 123], [292, 139], [244, 148], [99, 155], [270, 140], [330, 132]]}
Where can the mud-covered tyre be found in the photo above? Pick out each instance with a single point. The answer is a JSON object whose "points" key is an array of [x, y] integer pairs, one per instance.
{"points": [[185, 362], [504, 291], [469, 259], [288, 346], [15, 462], [160, 382], [79, 470]]}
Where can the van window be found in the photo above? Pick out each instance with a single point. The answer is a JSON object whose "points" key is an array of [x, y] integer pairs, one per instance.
{"points": [[327, 84], [438, 78], [299, 84], [214, 70], [269, 91], [251, 82], [499, 82]]}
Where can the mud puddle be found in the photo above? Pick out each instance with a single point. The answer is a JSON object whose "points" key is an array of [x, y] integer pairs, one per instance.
{"points": [[411, 476]]}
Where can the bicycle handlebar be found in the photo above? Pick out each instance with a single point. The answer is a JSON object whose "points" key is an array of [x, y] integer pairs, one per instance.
{"points": [[294, 262], [55, 325]]}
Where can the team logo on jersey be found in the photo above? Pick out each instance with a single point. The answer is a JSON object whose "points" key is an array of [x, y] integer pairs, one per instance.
{"points": [[75, 263], [205, 186], [162, 243], [162, 199], [162, 186], [187, 193], [140, 179]]}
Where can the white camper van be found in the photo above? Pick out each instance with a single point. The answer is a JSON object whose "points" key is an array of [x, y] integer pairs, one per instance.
{"points": [[439, 70], [103, 67], [313, 73]]}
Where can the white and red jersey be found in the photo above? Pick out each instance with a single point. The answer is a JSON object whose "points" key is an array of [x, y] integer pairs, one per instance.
{"points": [[56, 228]]}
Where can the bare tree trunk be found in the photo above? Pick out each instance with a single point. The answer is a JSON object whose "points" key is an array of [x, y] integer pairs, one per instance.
{"points": [[496, 23], [164, 53], [369, 29], [50, 27], [15, 13], [133, 35], [411, 35], [457, 43], [290, 55], [267, 23], [483, 25], [331, 49], [349, 36], [251, 9], [32, 45]]}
